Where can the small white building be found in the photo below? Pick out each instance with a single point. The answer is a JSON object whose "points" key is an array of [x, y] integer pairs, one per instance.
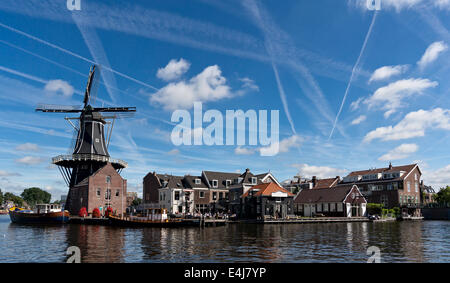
{"points": [[342, 201]]}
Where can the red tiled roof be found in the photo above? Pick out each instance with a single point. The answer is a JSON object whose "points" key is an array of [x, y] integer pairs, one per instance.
{"points": [[267, 189]]}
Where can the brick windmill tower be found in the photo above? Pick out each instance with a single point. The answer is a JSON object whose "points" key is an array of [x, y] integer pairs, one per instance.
{"points": [[92, 176]]}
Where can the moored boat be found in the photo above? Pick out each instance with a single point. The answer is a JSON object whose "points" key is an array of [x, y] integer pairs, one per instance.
{"points": [[44, 213], [151, 218]]}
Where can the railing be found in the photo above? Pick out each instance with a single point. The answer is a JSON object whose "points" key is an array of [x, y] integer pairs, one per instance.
{"points": [[88, 157]]}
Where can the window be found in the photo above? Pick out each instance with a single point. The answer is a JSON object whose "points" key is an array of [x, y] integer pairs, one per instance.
{"points": [[340, 207], [390, 187], [221, 195], [198, 181], [98, 192], [416, 187], [254, 180], [319, 207], [108, 194], [408, 185], [202, 194], [177, 195], [214, 195], [108, 179], [117, 193], [215, 183], [227, 183]]}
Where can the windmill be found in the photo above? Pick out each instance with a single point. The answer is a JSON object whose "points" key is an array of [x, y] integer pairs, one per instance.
{"points": [[90, 150]]}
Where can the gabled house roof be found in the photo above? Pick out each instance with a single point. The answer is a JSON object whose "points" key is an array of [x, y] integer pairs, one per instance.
{"points": [[328, 195], [189, 182], [326, 183], [266, 189], [171, 181]]}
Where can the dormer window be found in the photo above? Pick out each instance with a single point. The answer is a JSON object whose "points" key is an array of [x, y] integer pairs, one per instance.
{"points": [[239, 180], [227, 183], [197, 181], [254, 180], [215, 183]]}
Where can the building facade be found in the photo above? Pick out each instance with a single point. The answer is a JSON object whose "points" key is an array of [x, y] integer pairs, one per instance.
{"points": [[393, 186], [104, 188], [267, 200], [342, 201]]}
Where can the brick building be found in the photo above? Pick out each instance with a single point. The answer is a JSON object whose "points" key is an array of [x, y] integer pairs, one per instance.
{"points": [[393, 186], [102, 189]]}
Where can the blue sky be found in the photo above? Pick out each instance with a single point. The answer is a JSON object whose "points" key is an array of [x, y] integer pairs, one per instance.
{"points": [[385, 73]]}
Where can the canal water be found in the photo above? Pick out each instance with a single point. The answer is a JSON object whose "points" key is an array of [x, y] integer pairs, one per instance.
{"points": [[423, 241]]}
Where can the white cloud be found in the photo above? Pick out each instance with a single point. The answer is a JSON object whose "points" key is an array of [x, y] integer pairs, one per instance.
{"points": [[28, 147], [386, 72], [249, 84], [280, 147], [442, 4], [355, 104], [400, 152], [174, 152], [209, 85], [390, 97], [413, 125], [359, 120], [243, 151], [59, 86], [320, 172], [438, 178], [8, 174], [432, 53], [174, 70], [30, 160]]}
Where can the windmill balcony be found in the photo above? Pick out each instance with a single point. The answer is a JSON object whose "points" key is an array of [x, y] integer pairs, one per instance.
{"points": [[67, 159]]}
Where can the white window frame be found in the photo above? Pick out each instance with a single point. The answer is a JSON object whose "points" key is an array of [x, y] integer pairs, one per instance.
{"points": [[197, 181]]}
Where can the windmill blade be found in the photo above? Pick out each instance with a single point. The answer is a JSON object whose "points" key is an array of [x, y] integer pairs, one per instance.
{"points": [[95, 85], [58, 108], [115, 109], [87, 93]]}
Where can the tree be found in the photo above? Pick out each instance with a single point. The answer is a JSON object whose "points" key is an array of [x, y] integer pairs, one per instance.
{"points": [[12, 197], [35, 196], [443, 196], [83, 212], [136, 202], [96, 213], [1, 197]]}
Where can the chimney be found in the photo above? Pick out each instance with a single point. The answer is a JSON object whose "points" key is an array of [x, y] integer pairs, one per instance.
{"points": [[390, 165], [247, 170], [314, 181]]}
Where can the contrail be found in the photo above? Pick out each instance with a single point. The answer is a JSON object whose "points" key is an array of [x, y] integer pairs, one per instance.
{"points": [[75, 55], [353, 71]]}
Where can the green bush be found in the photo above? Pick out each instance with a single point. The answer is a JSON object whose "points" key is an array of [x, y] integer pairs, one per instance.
{"points": [[374, 208]]}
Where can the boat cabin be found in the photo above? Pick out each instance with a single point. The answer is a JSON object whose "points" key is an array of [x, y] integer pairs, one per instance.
{"points": [[47, 208]]}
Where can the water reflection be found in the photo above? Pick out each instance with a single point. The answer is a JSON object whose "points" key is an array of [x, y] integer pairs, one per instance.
{"points": [[332, 242]]}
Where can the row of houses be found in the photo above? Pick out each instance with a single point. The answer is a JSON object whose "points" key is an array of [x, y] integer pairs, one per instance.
{"points": [[261, 195]]}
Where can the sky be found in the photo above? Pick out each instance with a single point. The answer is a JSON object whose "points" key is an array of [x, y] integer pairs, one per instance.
{"points": [[356, 88]]}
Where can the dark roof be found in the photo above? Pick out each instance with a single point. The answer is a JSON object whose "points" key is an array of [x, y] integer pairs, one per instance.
{"points": [[326, 183], [221, 177], [266, 189], [189, 182], [406, 168], [172, 181], [334, 194]]}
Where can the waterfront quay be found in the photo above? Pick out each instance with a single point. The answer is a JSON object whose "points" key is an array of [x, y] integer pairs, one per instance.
{"points": [[398, 241]]}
